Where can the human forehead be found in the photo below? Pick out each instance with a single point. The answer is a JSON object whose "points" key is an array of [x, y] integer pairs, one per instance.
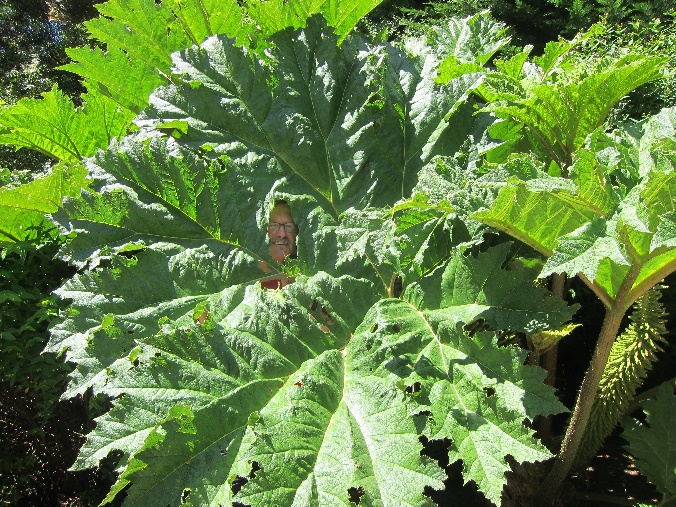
{"points": [[281, 217]]}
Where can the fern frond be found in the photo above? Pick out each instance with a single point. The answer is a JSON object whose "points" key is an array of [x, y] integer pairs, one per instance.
{"points": [[631, 358]]}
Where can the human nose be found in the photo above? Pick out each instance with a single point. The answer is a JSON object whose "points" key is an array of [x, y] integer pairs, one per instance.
{"points": [[281, 232]]}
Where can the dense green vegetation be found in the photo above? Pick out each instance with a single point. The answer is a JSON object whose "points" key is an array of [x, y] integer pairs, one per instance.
{"points": [[211, 390]]}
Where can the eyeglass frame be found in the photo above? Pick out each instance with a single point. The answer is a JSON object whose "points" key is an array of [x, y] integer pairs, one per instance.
{"points": [[274, 227]]}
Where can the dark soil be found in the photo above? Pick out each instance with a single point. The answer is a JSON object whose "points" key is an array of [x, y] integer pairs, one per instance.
{"points": [[612, 479], [35, 459]]}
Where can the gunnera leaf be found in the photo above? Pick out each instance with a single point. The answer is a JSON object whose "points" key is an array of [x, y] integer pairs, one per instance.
{"points": [[23, 207], [224, 392], [463, 387], [349, 125]]}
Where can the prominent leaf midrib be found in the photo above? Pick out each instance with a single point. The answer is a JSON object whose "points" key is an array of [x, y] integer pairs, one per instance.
{"points": [[204, 18], [27, 207], [325, 136], [142, 56], [420, 315], [341, 19], [94, 68], [360, 423], [172, 471], [666, 181], [578, 210], [307, 80], [545, 130], [272, 349], [210, 443], [636, 75], [270, 148]]}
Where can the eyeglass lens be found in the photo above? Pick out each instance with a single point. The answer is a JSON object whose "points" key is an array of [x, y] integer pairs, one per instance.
{"points": [[288, 227]]}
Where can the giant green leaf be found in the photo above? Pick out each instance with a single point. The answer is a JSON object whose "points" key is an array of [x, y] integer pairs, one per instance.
{"points": [[462, 286], [23, 208], [355, 124], [558, 111], [342, 420], [306, 393], [468, 391], [140, 37], [635, 238], [614, 226], [539, 209], [51, 125]]}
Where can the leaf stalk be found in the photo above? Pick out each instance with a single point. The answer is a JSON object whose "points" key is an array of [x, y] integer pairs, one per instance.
{"points": [[590, 384]]}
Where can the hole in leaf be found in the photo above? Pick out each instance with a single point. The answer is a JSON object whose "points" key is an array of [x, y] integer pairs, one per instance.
{"points": [[238, 484], [396, 328], [104, 264], [158, 354], [477, 326], [436, 449], [255, 467], [396, 287], [374, 328], [185, 495], [136, 362], [313, 305], [224, 452], [356, 494], [130, 253], [415, 388], [202, 318], [158, 2], [489, 391]]}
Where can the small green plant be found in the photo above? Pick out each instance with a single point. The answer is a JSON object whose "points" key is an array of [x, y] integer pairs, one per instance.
{"points": [[28, 276], [653, 443], [30, 382]]}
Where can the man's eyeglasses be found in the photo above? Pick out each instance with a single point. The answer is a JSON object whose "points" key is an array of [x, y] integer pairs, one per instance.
{"points": [[289, 227]]}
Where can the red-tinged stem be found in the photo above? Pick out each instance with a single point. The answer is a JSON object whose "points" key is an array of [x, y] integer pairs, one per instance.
{"points": [[549, 360]]}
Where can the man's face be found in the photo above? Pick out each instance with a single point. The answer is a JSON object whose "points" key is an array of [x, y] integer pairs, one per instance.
{"points": [[282, 241]]}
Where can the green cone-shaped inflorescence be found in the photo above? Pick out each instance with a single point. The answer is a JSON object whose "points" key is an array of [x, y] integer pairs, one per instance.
{"points": [[631, 358]]}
